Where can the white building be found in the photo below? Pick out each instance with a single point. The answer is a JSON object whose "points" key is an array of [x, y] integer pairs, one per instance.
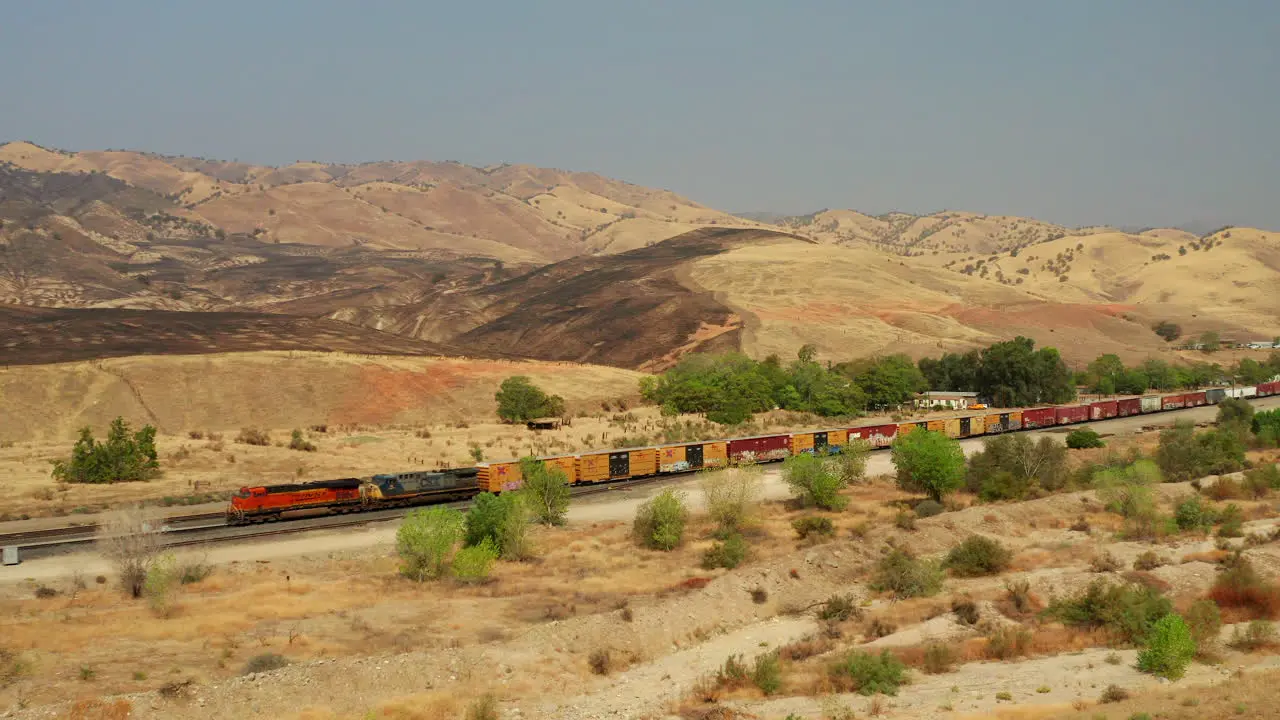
{"points": [[946, 399]]}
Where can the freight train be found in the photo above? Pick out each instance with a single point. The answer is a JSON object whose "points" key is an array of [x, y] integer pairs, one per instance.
{"points": [[267, 503]]}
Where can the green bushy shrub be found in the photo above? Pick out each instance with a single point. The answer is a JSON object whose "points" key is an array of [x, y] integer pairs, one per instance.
{"points": [[907, 576], [1084, 438], [976, 556], [660, 521], [1169, 650], [869, 674]]}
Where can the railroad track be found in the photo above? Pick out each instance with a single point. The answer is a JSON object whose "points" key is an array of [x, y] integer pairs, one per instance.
{"points": [[195, 530]]}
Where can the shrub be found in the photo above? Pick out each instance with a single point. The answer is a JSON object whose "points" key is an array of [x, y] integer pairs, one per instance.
{"points": [[869, 674], [966, 611], [766, 673], [813, 525], [424, 540], [978, 555], [253, 436], [1257, 634], [1127, 490], [1193, 514], [851, 463], [473, 564], [484, 707], [906, 576], [161, 581], [504, 519], [1104, 562], [298, 442], [265, 662], [1009, 465], [839, 608], [600, 661], [1204, 620], [814, 482], [727, 554], [1148, 560], [1018, 593], [1232, 520], [125, 456], [905, 520], [1240, 586], [1128, 612], [929, 508], [1262, 480], [1084, 438], [929, 462], [1169, 648], [1114, 694], [1007, 642], [1003, 485], [660, 521], [546, 491], [130, 540], [938, 658], [731, 497]]}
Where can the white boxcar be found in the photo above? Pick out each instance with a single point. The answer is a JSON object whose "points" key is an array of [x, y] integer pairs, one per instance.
{"points": [[1243, 392], [1151, 403]]}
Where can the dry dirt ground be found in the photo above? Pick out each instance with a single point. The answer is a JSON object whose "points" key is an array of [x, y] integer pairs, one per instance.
{"points": [[364, 642]]}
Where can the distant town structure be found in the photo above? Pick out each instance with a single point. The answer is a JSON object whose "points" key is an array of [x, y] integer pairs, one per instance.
{"points": [[946, 399]]}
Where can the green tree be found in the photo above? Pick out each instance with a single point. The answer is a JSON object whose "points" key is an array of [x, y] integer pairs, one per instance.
{"points": [[814, 481], [1167, 330], [1106, 367], [1210, 342], [125, 456], [519, 400], [953, 371], [473, 564], [1236, 414], [1177, 454], [1251, 372], [504, 519], [1015, 374], [425, 539], [1169, 648], [546, 489], [928, 462], [885, 381], [1027, 462], [660, 521]]}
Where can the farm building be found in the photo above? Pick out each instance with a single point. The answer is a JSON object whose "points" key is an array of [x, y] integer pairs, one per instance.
{"points": [[946, 399]]}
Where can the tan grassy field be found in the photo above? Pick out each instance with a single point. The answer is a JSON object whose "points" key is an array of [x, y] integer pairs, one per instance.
{"points": [[869, 303]]}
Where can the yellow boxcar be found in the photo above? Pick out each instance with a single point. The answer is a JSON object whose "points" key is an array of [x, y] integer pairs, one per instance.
{"points": [[801, 442], [642, 462], [715, 454], [904, 428], [593, 467], [673, 458], [950, 427], [837, 438], [497, 477], [938, 426], [1015, 420], [992, 422], [977, 425]]}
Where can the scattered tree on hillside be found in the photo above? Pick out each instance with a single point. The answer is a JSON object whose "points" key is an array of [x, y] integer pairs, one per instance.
{"points": [[1209, 342], [519, 400], [125, 456], [1168, 330], [928, 462]]}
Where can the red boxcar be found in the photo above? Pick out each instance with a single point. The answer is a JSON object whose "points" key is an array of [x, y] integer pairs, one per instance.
{"points": [[1269, 388], [1071, 414], [759, 449], [1038, 417], [1104, 409], [877, 435], [1196, 399], [1173, 402], [271, 500], [1129, 406]]}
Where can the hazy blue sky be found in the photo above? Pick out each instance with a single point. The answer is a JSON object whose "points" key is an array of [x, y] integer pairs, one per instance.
{"points": [[1075, 111]]}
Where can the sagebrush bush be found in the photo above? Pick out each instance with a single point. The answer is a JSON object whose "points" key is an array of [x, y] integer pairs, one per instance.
{"points": [[484, 707], [906, 576], [731, 497], [1128, 612], [1007, 642], [298, 442], [1204, 620], [839, 608], [1169, 650], [929, 508], [939, 658], [1240, 586], [869, 674], [1084, 438], [253, 436], [265, 662], [1193, 514], [815, 482], [1257, 634], [728, 553], [600, 661], [766, 673], [1232, 519], [978, 555], [1147, 561], [660, 521], [812, 525], [473, 564]]}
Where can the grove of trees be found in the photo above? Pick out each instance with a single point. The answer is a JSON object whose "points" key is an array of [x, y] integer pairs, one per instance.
{"points": [[1011, 373], [126, 455], [519, 400]]}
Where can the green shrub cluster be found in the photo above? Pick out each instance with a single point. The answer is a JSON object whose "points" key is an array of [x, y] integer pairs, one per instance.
{"points": [[906, 576], [815, 481], [660, 521], [1084, 438], [125, 456], [1169, 650], [869, 674], [728, 553], [1128, 612], [978, 555]]}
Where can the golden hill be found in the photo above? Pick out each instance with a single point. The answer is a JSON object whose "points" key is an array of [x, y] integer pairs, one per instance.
{"points": [[227, 391], [514, 213]]}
